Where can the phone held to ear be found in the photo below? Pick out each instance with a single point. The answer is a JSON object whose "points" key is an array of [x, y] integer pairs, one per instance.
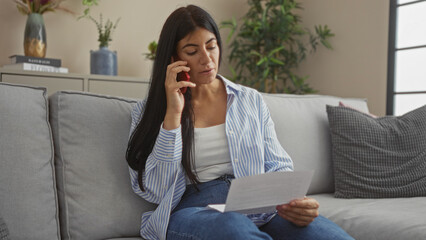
{"points": [[183, 76]]}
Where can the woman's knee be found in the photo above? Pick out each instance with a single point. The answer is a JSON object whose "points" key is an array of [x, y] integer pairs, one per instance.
{"points": [[200, 223], [328, 229], [232, 225], [234, 220], [320, 229]]}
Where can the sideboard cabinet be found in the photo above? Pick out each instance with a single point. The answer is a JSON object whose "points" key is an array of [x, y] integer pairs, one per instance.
{"points": [[110, 85]]}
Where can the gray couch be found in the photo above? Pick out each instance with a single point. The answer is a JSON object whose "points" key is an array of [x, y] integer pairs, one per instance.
{"points": [[63, 173]]}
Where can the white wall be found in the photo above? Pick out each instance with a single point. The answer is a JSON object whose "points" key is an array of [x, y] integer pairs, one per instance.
{"points": [[355, 68]]}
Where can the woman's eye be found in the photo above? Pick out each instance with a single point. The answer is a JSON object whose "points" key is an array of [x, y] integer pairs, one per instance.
{"points": [[191, 53], [211, 47]]}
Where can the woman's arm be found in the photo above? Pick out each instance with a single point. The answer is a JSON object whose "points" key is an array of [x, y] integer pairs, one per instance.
{"points": [[276, 158], [163, 163], [300, 212]]}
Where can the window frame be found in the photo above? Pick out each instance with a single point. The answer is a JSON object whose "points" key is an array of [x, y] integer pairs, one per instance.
{"points": [[392, 51]]}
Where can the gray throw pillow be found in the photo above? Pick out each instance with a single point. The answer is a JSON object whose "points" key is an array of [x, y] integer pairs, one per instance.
{"points": [[96, 199], [4, 232], [378, 157], [28, 198]]}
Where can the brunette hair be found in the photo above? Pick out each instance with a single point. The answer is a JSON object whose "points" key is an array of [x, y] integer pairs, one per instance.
{"points": [[179, 24]]}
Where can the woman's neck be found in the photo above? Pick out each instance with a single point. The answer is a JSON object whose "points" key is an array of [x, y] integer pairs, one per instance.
{"points": [[209, 104], [205, 93]]}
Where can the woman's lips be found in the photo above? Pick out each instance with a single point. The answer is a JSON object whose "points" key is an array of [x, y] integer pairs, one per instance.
{"points": [[206, 72]]}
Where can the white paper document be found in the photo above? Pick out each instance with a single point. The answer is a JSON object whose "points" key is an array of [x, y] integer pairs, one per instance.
{"points": [[262, 193]]}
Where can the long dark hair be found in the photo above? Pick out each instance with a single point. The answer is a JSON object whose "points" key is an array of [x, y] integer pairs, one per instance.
{"points": [[179, 24]]}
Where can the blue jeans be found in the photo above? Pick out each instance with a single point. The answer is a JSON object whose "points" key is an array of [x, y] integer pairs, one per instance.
{"points": [[192, 220]]}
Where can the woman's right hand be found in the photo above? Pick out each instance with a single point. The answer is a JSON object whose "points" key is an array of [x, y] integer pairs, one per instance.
{"points": [[175, 98]]}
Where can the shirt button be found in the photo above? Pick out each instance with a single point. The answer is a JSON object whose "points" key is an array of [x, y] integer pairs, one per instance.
{"points": [[231, 132], [171, 142], [169, 155], [236, 160]]}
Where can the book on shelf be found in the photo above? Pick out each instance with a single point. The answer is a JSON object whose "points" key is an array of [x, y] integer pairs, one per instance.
{"points": [[54, 62], [36, 67]]}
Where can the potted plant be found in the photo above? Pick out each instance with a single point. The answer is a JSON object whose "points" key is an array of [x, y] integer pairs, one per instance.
{"points": [[152, 48], [270, 44], [102, 61]]}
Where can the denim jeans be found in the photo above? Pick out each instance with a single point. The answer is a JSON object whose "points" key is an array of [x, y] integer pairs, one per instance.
{"points": [[192, 220]]}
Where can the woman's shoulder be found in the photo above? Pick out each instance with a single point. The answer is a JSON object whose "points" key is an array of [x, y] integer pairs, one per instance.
{"points": [[249, 98], [245, 91], [250, 93]]}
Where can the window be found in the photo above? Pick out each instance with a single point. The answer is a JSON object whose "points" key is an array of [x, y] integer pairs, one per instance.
{"points": [[407, 56]]}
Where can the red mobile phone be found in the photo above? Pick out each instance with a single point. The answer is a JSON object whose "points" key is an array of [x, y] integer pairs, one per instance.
{"points": [[183, 76]]}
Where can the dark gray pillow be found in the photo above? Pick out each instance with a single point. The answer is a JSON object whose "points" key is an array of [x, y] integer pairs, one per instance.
{"points": [[4, 233], [378, 157]]}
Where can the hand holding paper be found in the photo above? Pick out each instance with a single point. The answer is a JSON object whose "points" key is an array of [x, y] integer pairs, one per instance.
{"points": [[262, 193], [300, 212]]}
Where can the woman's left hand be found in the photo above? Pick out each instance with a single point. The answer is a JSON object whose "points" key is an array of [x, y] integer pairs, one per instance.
{"points": [[301, 212]]}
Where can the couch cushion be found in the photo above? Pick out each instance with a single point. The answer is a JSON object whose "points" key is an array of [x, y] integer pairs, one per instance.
{"points": [[96, 199], [378, 157], [379, 219], [28, 201], [302, 129], [4, 232]]}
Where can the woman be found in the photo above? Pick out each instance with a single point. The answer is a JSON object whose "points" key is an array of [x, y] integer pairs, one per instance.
{"points": [[191, 138]]}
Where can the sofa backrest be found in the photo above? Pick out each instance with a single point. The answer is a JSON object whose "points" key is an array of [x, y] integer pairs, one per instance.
{"points": [[96, 199], [90, 135], [28, 202], [302, 128]]}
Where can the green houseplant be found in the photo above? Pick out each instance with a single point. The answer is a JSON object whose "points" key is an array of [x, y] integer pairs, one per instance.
{"points": [[152, 48], [102, 61], [104, 30], [269, 45]]}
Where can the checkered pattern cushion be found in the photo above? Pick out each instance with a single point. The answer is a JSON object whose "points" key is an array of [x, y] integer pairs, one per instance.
{"points": [[4, 233], [378, 157]]}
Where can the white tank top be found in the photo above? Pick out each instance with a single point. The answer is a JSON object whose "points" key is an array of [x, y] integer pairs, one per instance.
{"points": [[212, 157]]}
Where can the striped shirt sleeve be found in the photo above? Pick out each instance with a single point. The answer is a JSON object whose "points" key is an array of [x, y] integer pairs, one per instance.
{"points": [[276, 158], [162, 165]]}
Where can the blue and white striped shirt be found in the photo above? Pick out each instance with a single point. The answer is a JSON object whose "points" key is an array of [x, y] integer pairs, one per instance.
{"points": [[253, 146]]}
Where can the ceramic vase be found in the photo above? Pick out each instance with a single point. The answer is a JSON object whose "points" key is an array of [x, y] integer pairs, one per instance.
{"points": [[35, 43], [103, 61]]}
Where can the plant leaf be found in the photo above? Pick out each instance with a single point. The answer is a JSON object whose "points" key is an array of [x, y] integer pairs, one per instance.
{"points": [[276, 50], [261, 61], [274, 60]]}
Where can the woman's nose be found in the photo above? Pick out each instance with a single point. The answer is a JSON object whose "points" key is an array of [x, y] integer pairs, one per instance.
{"points": [[205, 57]]}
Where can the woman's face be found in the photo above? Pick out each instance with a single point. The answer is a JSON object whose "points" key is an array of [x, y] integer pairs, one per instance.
{"points": [[200, 50]]}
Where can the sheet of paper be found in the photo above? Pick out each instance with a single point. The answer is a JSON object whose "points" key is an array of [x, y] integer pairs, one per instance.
{"points": [[262, 193]]}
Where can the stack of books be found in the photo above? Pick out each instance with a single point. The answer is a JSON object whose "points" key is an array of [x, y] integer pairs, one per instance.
{"points": [[21, 62]]}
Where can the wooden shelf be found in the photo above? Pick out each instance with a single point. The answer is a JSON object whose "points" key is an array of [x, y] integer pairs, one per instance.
{"points": [[110, 85]]}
